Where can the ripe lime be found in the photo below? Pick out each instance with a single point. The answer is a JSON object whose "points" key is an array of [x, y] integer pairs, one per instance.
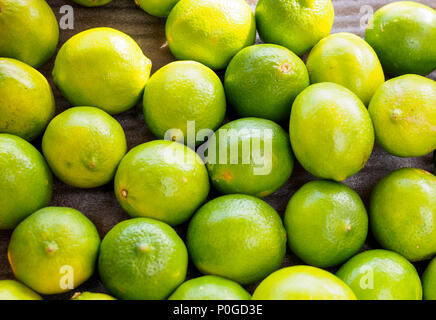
{"points": [[92, 3], [91, 296], [158, 8], [429, 281], [13, 290]]}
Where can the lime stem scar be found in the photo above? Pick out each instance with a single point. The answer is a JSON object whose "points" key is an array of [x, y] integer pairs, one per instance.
{"points": [[124, 193]]}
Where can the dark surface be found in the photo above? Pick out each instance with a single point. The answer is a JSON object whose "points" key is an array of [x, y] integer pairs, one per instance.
{"points": [[100, 204]]}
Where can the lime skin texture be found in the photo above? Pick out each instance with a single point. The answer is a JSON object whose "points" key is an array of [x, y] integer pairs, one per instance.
{"points": [[255, 175], [238, 237], [295, 24], [326, 223], [348, 60], [381, 275], [102, 67], [403, 213], [183, 91], [91, 296], [157, 8], [26, 183], [403, 34], [210, 288], [29, 31], [403, 111], [14, 290], [54, 250], [27, 103], [331, 132], [210, 31], [302, 283], [83, 146], [429, 281], [142, 259], [263, 81], [92, 3]]}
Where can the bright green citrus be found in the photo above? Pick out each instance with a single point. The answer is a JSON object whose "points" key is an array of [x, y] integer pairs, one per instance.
{"points": [[14, 290], [92, 3], [429, 281], [158, 8], [91, 296]]}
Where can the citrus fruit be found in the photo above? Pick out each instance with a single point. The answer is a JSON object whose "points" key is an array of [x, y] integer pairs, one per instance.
{"points": [[27, 103], [238, 237], [210, 288], [28, 31], [180, 92], [92, 3], [295, 24], [83, 146], [91, 296], [210, 31], [250, 156], [142, 259], [263, 81], [54, 250], [302, 283], [157, 8], [13, 290], [326, 222], [161, 180], [346, 59], [403, 211], [404, 115], [381, 275], [102, 67], [403, 34], [25, 180], [429, 281], [331, 131]]}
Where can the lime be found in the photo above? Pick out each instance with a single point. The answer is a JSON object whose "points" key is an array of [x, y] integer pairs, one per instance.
{"points": [[346, 59], [158, 8], [404, 115], [238, 237], [403, 211], [54, 250], [162, 180], [13, 290], [295, 24], [326, 223], [180, 92], [25, 180], [251, 156], [429, 281], [142, 259], [381, 275], [302, 283], [263, 81], [27, 103], [210, 31], [92, 3], [83, 146], [331, 131], [210, 288], [403, 34], [28, 31], [91, 296], [102, 67]]}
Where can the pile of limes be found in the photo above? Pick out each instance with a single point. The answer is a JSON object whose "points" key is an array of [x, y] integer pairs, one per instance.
{"points": [[337, 105]]}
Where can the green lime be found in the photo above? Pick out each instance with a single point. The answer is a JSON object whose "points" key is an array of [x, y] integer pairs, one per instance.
{"points": [[91, 296], [326, 223], [404, 115], [13, 290], [162, 180], [429, 281], [83, 146], [54, 250], [302, 283], [403, 211], [381, 275], [403, 34], [210, 288], [264, 80], [346, 59], [238, 237], [295, 24], [25, 180], [92, 3], [28, 31], [210, 31], [157, 8], [142, 259], [181, 92], [27, 103], [331, 131], [102, 67], [250, 156]]}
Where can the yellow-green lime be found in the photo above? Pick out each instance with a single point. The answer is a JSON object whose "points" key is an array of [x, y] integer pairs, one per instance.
{"points": [[157, 8], [429, 281], [83, 146], [92, 3], [142, 259], [91, 296], [14, 290]]}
